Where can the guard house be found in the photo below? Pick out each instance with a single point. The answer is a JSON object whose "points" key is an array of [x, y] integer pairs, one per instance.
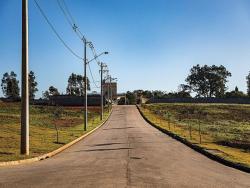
{"points": [[110, 89]]}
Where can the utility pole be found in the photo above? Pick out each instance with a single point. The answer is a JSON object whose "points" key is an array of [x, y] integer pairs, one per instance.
{"points": [[85, 86], [110, 86], [108, 89], [109, 92], [102, 90], [25, 82], [103, 65]]}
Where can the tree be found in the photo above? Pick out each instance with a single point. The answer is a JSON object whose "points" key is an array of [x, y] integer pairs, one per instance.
{"points": [[10, 86], [235, 93], [147, 94], [183, 91], [52, 91], [248, 84], [179, 94], [32, 85], [130, 98], [158, 94], [57, 115], [208, 81], [76, 85]]}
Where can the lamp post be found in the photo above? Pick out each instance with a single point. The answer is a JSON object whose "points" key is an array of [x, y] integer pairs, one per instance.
{"points": [[102, 65], [85, 80], [85, 86]]}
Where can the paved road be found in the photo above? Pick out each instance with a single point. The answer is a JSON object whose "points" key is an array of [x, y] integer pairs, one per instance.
{"points": [[125, 152]]}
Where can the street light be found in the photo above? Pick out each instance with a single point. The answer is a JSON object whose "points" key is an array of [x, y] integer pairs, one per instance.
{"points": [[105, 53], [85, 80], [102, 65]]}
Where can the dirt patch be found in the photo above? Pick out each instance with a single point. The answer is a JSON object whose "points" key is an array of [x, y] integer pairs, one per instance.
{"points": [[68, 122]]}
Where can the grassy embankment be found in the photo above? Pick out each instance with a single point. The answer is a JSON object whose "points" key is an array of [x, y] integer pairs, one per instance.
{"points": [[43, 119], [220, 128]]}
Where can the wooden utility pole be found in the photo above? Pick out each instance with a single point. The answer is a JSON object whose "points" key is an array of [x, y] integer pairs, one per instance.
{"points": [[25, 81]]}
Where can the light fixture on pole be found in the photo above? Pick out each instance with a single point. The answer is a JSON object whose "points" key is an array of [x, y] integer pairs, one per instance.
{"points": [[85, 80], [102, 65]]}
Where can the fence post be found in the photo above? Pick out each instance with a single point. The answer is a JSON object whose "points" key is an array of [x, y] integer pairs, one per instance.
{"points": [[160, 118], [190, 131], [168, 121], [200, 130]]}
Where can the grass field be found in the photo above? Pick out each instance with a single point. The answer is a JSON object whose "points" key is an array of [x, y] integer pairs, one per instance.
{"points": [[222, 129], [43, 139]]}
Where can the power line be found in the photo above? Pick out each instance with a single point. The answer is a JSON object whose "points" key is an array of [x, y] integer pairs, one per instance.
{"points": [[70, 19], [54, 30], [94, 53], [72, 23], [65, 13], [67, 10], [92, 77]]}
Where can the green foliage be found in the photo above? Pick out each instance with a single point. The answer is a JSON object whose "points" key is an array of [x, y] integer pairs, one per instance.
{"points": [[52, 91], [130, 98], [69, 121], [76, 85], [10, 86], [223, 122], [183, 92], [57, 115], [147, 94], [158, 94], [215, 127], [248, 84], [57, 112], [235, 94], [32, 85], [208, 81], [180, 94]]}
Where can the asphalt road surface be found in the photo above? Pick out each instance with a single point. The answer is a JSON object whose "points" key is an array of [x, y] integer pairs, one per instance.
{"points": [[125, 152]]}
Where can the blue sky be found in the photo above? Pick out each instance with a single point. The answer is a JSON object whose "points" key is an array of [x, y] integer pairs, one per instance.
{"points": [[152, 43]]}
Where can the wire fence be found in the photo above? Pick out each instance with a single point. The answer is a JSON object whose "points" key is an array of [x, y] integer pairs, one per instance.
{"points": [[199, 130]]}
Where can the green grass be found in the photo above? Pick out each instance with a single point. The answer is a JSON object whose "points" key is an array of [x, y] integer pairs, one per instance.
{"points": [[224, 129], [42, 129]]}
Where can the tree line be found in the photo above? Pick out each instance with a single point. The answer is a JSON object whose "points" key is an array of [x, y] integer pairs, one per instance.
{"points": [[203, 81], [10, 86]]}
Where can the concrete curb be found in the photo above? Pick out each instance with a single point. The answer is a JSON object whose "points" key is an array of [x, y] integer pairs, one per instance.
{"points": [[197, 148], [55, 152]]}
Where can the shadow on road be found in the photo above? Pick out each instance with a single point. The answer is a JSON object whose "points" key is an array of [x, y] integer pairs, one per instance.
{"points": [[119, 128], [111, 149], [107, 144]]}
